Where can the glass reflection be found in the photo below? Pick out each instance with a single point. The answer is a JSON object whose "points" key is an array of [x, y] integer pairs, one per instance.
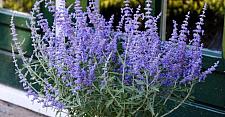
{"points": [[214, 20]]}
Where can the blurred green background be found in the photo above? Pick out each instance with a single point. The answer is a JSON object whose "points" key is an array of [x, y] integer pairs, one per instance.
{"points": [[18, 5], [177, 6], [176, 10], [26, 5]]}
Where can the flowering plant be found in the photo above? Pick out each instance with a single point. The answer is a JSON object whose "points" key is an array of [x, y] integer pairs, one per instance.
{"points": [[89, 68]]}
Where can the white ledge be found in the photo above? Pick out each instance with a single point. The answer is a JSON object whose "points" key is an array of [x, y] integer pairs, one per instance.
{"points": [[19, 98]]}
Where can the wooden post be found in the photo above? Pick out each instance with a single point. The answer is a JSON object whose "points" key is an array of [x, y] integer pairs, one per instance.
{"points": [[223, 41], [59, 5], [163, 20], [1, 3], [97, 3]]}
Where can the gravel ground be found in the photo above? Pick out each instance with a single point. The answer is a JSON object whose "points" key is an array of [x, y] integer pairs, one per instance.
{"points": [[11, 110]]}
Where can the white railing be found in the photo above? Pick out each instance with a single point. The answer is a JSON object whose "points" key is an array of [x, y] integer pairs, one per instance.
{"points": [[19, 98]]}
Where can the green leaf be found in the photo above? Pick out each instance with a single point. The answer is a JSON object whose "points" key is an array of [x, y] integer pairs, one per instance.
{"points": [[109, 103], [136, 97], [78, 99], [155, 89], [119, 114], [152, 110], [139, 82]]}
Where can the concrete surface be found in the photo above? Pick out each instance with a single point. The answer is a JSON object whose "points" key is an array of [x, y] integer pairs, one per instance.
{"points": [[11, 110]]}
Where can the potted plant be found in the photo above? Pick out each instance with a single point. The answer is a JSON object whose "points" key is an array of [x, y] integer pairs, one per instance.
{"points": [[84, 66]]}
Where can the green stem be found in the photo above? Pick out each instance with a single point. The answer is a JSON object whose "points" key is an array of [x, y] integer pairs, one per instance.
{"points": [[189, 93]]}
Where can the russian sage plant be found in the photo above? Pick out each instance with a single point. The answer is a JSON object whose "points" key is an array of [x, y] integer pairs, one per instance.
{"points": [[91, 68]]}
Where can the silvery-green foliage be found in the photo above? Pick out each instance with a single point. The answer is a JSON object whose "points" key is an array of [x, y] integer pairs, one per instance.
{"points": [[90, 69]]}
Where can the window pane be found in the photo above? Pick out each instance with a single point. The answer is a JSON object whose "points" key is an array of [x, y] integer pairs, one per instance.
{"points": [[214, 19], [18, 5]]}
